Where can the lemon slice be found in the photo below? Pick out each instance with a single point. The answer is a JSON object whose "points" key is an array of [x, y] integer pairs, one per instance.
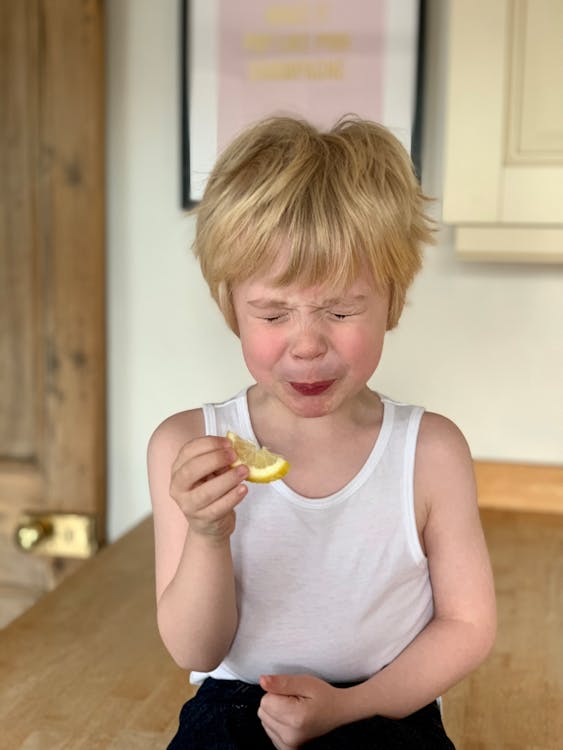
{"points": [[263, 465]]}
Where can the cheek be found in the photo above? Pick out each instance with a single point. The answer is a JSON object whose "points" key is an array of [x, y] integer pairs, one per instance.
{"points": [[260, 352], [363, 351]]}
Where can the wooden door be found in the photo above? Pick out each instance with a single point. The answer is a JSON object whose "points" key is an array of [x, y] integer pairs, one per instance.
{"points": [[52, 349]]}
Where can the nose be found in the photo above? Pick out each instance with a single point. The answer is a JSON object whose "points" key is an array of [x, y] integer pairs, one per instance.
{"points": [[308, 343]]}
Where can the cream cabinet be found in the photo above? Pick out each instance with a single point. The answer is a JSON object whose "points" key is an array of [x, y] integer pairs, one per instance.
{"points": [[503, 168]]}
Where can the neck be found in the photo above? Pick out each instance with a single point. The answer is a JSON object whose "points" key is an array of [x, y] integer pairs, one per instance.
{"points": [[271, 417]]}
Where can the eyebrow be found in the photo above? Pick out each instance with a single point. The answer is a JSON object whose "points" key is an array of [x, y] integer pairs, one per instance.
{"points": [[263, 303]]}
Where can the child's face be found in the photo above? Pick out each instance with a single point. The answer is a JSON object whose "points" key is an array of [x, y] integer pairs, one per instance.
{"points": [[311, 348]]}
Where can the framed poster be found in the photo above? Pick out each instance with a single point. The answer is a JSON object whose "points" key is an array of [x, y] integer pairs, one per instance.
{"points": [[243, 60]]}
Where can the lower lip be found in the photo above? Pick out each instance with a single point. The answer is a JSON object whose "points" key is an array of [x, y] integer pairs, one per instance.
{"points": [[312, 389]]}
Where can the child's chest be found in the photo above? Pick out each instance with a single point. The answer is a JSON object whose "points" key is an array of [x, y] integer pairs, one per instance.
{"points": [[322, 468]]}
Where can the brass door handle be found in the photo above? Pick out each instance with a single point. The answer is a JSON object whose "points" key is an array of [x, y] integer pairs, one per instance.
{"points": [[29, 534], [55, 534]]}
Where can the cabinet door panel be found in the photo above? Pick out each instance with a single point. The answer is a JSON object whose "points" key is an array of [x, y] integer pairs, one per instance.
{"points": [[536, 104], [532, 195], [504, 125]]}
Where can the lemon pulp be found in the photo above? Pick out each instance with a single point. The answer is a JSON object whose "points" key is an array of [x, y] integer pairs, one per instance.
{"points": [[263, 465]]}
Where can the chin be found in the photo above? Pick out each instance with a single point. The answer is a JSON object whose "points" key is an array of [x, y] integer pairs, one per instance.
{"points": [[311, 406], [310, 411]]}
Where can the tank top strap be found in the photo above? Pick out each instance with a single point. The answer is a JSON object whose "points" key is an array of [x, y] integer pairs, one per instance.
{"points": [[231, 414]]}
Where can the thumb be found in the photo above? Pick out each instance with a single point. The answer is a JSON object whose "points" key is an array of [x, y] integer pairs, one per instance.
{"points": [[285, 684]]}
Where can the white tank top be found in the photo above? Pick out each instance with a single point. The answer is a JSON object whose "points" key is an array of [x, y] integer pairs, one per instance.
{"points": [[334, 587]]}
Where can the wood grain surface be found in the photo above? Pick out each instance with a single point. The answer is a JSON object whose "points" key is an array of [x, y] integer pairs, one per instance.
{"points": [[52, 280], [85, 668], [515, 700], [537, 488]]}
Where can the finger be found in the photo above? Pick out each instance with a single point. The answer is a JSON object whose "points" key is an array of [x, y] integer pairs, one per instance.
{"points": [[215, 489], [200, 446], [196, 469], [279, 708], [273, 730], [205, 462], [219, 472], [222, 506], [287, 684]]}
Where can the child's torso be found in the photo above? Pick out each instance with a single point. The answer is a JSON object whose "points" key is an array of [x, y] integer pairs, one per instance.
{"points": [[334, 586]]}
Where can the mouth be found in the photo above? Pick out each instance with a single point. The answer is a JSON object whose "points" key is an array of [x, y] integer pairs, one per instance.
{"points": [[312, 389]]}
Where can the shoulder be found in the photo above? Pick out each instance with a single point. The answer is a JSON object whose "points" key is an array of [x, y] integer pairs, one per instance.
{"points": [[174, 432], [163, 449], [440, 438], [443, 460]]}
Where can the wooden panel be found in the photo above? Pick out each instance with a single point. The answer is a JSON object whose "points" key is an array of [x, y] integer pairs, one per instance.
{"points": [[19, 300], [23, 578], [52, 328], [524, 487], [71, 218]]}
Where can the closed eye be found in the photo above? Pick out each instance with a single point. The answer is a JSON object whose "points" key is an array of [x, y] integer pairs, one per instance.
{"points": [[341, 316], [272, 318]]}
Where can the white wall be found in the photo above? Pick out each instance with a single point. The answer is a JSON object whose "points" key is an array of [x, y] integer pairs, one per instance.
{"points": [[168, 348], [481, 343]]}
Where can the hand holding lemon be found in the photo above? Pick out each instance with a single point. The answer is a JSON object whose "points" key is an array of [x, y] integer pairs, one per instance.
{"points": [[207, 484]]}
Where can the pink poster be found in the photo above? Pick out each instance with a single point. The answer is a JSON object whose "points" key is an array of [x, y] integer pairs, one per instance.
{"points": [[320, 59]]}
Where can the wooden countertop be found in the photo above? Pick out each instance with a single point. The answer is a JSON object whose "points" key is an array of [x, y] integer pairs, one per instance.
{"points": [[85, 669]]}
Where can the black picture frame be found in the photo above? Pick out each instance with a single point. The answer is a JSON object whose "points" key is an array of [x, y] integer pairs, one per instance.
{"points": [[187, 200]]}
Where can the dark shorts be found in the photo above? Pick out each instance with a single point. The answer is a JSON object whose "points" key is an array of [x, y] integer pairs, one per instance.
{"points": [[223, 716]]}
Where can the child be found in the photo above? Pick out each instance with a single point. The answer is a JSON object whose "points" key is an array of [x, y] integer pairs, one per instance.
{"points": [[329, 609]]}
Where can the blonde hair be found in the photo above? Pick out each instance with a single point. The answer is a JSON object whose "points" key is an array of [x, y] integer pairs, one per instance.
{"points": [[345, 201]]}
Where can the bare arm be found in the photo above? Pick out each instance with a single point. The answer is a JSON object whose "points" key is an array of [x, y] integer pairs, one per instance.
{"points": [[462, 632], [194, 493]]}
